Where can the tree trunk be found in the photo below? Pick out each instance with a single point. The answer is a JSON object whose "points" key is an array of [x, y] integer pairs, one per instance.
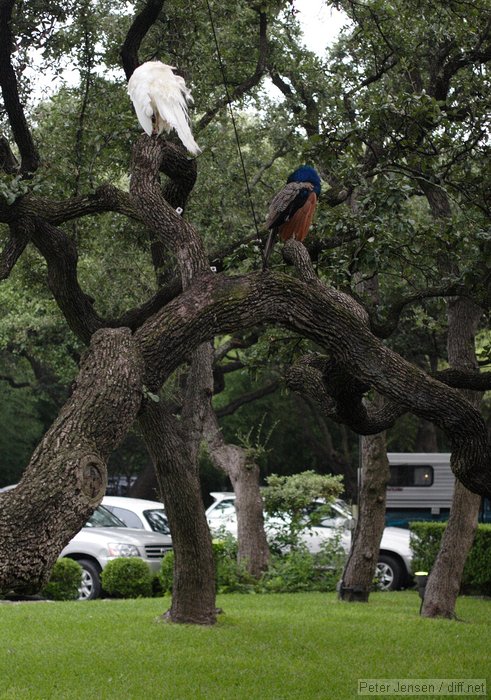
{"points": [[244, 475], [146, 485], [426, 438], [445, 578], [253, 544], [360, 568], [174, 444], [67, 476], [193, 595]]}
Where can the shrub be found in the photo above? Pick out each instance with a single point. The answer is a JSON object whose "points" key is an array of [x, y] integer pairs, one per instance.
{"points": [[300, 570], [231, 576], [289, 573], [166, 574], [127, 578], [425, 543], [294, 500], [64, 581]]}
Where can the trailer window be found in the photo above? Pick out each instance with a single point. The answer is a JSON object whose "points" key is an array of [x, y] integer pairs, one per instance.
{"points": [[411, 475]]}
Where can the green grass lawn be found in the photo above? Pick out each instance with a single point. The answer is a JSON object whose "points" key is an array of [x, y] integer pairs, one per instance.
{"points": [[265, 647]]}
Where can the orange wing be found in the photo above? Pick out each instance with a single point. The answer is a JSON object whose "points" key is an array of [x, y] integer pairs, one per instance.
{"points": [[298, 226]]}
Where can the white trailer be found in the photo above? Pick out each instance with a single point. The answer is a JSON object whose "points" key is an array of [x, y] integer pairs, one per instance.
{"points": [[420, 488], [420, 480]]}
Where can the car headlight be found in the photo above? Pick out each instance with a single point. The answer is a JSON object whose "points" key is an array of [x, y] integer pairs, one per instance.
{"points": [[121, 549]]}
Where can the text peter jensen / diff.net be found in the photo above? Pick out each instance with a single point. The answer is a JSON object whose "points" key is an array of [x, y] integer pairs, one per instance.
{"points": [[422, 686]]}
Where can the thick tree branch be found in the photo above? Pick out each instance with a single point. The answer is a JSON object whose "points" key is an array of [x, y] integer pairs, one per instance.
{"points": [[340, 395], [8, 162], [61, 256], [168, 228], [136, 33], [10, 93], [216, 304], [20, 235], [105, 198], [66, 477], [460, 379]]}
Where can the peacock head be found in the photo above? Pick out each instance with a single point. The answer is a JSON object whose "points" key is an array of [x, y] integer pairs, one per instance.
{"points": [[307, 173]]}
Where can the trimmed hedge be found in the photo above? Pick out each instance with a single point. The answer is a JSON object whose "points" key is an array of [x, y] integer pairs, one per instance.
{"points": [[425, 543], [127, 577], [64, 580]]}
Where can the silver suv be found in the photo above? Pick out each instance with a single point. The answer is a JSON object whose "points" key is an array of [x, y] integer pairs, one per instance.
{"points": [[104, 538]]}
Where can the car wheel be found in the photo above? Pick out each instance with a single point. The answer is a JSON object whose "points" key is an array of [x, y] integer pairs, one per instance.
{"points": [[90, 586], [389, 574]]}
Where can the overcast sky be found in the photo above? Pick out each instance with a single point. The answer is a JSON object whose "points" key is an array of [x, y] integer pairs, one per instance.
{"points": [[320, 23]]}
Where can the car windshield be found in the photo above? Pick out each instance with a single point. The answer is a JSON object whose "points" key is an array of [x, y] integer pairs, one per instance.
{"points": [[157, 520], [101, 517], [224, 508], [330, 514]]}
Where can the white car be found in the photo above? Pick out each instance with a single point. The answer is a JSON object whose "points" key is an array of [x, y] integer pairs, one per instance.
{"points": [[138, 513], [106, 537], [394, 563]]}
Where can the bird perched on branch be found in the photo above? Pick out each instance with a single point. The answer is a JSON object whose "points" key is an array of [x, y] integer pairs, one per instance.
{"points": [[160, 100], [292, 209]]}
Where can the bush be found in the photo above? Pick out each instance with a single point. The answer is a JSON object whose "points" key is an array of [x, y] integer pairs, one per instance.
{"points": [[296, 570], [230, 575], [300, 570], [294, 500], [64, 581], [166, 574], [425, 543], [127, 578]]}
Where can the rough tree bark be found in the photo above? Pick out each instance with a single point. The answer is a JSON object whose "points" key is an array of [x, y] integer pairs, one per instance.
{"points": [[67, 472], [359, 572], [193, 594], [66, 477], [244, 474], [463, 318], [445, 578]]}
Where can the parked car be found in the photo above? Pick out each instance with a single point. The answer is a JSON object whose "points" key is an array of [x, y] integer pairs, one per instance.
{"points": [[104, 538], [138, 513], [394, 563]]}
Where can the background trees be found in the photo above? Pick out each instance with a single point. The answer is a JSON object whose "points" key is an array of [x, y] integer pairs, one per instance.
{"points": [[395, 119]]}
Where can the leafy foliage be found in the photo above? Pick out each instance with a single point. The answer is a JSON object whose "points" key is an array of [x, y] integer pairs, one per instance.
{"points": [[288, 572], [375, 93], [64, 581], [290, 498], [127, 577], [425, 544]]}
